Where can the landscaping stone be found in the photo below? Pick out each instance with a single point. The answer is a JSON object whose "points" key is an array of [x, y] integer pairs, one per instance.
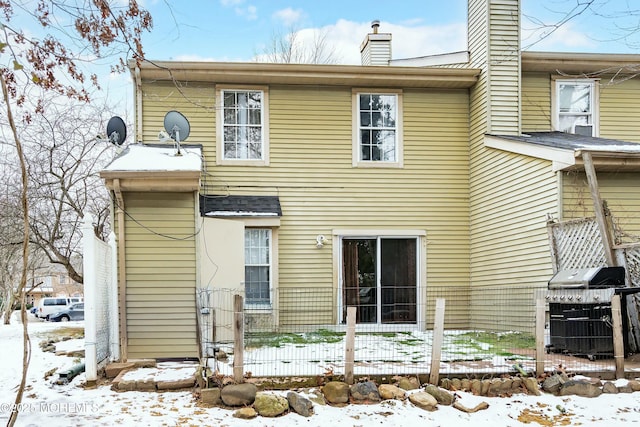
{"points": [[553, 383], [299, 404], [456, 384], [176, 384], [516, 384], [245, 413], [476, 387], [127, 385], [210, 396], [270, 405], [441, 395], [625, 389], [239, 394], [146, 385], [113, 369], [465, 384], [580, 388], [365, 392], [499, 387], [424, 400], [408, 383], [389, 391], [610, 388], [532, 386], [634, 384], [336, 392]]}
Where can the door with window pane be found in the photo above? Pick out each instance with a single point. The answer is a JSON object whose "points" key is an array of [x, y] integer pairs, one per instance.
{"points": [[379, 277]]}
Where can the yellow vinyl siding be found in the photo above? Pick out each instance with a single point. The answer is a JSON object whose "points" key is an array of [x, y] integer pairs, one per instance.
{"points": [[509, 238], [620, 190], [536, 102], [620, 109], [161, 275], [320, 191]]}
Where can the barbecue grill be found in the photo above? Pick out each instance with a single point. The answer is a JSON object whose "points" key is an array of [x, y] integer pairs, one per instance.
{"points": [[580, 321]]}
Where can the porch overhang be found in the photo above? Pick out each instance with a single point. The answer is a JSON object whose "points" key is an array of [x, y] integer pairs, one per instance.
{"points": [[565, 150], [149, 168]]}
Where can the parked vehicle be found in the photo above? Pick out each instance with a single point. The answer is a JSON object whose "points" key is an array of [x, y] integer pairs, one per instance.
{"points": [[50, 305], [73, 312]]}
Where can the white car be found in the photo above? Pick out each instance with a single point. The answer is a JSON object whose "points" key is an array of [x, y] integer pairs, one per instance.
{"points": [[50, 305]]}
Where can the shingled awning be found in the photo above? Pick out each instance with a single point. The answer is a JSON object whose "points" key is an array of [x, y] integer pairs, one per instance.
{"points": [[565, 149], [240, 206]]}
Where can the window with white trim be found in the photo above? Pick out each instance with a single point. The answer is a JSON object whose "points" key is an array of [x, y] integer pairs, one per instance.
{"points": [[576, 106], [242, 125], [258, 269], [378, 131]]}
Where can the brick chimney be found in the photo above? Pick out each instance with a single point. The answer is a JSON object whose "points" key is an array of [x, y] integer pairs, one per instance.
{"points": [[376, 47]]}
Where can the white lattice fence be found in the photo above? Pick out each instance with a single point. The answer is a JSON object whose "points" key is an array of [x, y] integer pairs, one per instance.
{"points": [[100, 300], [576, 244], [631, 255]]}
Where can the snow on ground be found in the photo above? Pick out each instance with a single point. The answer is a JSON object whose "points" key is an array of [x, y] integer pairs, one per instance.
{"points": [[46, 403]]}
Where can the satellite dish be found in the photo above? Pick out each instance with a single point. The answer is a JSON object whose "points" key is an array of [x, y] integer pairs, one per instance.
{"points": [[176, 125], [116, 131]]}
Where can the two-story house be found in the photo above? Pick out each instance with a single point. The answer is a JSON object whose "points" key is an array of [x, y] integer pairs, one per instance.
{"points": [[310, 188]]}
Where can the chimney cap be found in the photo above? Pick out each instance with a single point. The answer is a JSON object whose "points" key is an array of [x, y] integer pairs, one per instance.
{"points": [[375, 25]]}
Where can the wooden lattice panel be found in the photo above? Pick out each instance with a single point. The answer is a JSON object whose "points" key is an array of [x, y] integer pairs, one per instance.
{"points": [[632, 261], [577, 244]]}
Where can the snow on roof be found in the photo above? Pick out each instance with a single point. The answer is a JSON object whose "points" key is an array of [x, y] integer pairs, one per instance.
{"points": [[140, 157]]}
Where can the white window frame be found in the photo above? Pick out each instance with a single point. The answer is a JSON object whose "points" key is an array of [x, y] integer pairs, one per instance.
{"points": [[220, 158], [595, 102], [270, 264], [357, 162], [421, 246]]}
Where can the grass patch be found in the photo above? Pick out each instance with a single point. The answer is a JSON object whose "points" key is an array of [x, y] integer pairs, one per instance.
{"points": [[495, 342], [277, 340]]}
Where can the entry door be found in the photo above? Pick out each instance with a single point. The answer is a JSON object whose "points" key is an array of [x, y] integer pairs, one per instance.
{"points": [[379, 277]]}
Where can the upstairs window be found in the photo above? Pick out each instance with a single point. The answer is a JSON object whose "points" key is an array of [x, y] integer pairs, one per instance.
{"points": [[242, 132], [576, 107], [377, 139]]}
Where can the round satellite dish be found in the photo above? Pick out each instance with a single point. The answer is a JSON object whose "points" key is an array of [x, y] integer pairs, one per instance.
{"points": [[176, 125], [116, 130]]}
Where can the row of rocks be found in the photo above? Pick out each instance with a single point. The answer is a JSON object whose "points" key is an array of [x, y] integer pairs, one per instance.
{"points": [[562, 385], [335, 393]]}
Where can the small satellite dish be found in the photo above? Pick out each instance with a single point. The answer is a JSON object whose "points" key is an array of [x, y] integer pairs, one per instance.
{"points": [[116, 131], [177, 126]]}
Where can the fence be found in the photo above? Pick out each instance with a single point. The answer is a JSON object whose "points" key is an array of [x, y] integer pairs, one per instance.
{"points": [[495, 346], [100, 300]]}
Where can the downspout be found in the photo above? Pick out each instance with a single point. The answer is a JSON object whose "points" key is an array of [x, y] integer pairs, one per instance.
{"points": [[122, 270], [138, 98]]}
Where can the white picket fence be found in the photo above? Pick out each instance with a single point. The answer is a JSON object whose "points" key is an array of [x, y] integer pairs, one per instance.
{"points": [[100, 300]]}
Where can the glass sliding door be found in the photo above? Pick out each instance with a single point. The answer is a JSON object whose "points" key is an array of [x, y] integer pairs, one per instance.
{"points": [[379, 277], [360, 278]]}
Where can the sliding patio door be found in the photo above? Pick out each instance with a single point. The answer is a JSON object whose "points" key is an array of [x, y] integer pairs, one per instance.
{"points": [[379, 277]]}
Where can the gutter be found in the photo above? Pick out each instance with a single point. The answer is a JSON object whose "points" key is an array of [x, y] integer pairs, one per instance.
{"points": [[122, 271], [138, 97]]}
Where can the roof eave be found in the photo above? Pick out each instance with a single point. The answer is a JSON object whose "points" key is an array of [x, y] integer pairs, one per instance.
{"points": [[308, 74], [579, 63]]}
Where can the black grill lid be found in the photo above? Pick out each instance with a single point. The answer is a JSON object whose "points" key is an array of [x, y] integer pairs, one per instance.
{"points": [[597, 277]]}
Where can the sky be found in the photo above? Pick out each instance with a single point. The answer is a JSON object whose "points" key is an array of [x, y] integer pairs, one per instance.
{"points": [[237, 30], [46, 403], [240, 30]]}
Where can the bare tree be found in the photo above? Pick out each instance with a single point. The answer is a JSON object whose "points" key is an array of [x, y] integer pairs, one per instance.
{"points": [[298, 47], [621, 20], [65, 157], [52, 62]]}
